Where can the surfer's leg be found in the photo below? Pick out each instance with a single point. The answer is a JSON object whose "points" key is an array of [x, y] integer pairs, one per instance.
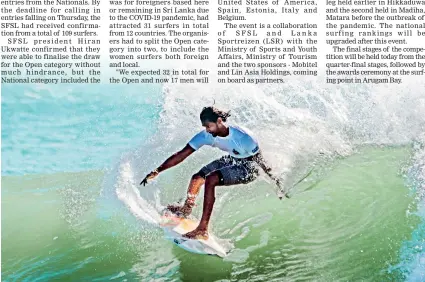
{"points": [[192, 192], [241, 173], [201, 232], [199, 178], [195, 185], [213, 179]]}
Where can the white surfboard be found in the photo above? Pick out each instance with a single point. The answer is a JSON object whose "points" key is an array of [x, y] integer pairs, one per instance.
{"points": [[174, 227]]}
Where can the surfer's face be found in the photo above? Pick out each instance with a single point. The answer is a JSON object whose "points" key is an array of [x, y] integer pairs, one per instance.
{"points": [[211, 127]]}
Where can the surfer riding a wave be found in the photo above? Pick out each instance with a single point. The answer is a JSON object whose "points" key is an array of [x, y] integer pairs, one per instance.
{"points": [[241, 166]]}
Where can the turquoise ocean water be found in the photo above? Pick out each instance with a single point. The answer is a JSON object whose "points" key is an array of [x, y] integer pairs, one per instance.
{"points": [[72, 209]]}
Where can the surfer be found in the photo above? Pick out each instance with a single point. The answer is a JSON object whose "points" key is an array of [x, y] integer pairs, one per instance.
{"points": [[240, 166]]}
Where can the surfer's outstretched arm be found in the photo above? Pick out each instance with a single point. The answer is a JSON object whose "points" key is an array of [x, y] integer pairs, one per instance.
{"points": [[259, 159], [176, 158], [173, 160]]}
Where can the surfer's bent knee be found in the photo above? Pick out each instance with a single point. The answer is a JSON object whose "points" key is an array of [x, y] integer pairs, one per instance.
{"points": [[199, 175], [202, 174], [214, 178]]}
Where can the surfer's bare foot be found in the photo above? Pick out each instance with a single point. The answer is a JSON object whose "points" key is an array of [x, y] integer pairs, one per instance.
{"points": [[197, 234], [182, 211]]}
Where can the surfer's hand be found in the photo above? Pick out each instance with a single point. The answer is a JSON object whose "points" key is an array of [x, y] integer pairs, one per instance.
{"points": [[151, 175], [281, 192]]}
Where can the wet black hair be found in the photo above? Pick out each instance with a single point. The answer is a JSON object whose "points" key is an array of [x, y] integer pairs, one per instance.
{"points": [[211, 114]]}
